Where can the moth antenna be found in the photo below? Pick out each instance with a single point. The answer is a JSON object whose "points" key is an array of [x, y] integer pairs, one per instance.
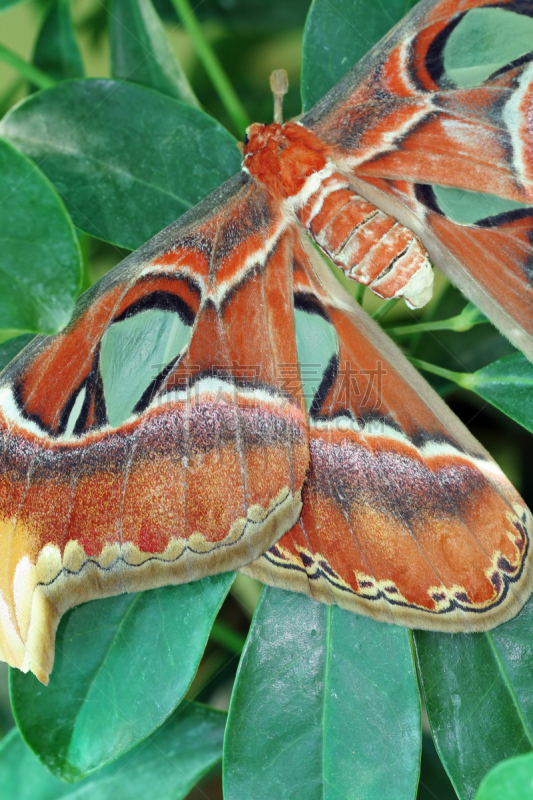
{"points": [[279, 84]]}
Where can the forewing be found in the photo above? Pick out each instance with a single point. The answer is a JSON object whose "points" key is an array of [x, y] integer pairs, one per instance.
{"points": [[196, 471], [405, 518], [404, 116]]}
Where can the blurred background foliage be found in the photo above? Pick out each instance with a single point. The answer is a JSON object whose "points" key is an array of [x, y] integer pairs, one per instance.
{"points": [[249, 45], [251, 40]]}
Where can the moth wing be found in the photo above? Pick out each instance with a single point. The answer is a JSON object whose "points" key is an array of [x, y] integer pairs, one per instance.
{"points": [[403, 121], [405, 517], [491, 260], [201, 472]]}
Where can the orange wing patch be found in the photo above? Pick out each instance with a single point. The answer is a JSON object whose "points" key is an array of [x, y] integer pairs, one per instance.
{"points": [[204, 474], [405, 517]]}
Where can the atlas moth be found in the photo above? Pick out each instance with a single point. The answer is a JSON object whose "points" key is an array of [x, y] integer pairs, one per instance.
{"points": [[370, 493]]}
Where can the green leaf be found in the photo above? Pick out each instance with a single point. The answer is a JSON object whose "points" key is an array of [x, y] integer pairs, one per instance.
{"points": [[337, 35], [141, 53], [122, 666], [510, 780], [508, 385], [325, 705], [477, 689], [127, 160], [40, 259], [12, 347], [56, 50], [173, 760]]}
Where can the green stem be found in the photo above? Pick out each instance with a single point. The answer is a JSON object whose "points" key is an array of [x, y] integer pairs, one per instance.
{"points": [[28, 71], [420, 327], [460, 323], [212, 66], [463, 379], [384, 308], [359, 293], [227, 637]]}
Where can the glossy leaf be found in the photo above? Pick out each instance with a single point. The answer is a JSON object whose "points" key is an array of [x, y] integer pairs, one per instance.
{"points": [[508, 385], [40, 260], [337, 35], [141, 52], [477, 689], [173, 760], [325, 705], [122, 666], [126, 159], [510, 780], [56, 50], [10, 348]]}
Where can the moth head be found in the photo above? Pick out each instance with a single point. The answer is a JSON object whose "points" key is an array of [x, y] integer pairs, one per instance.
{"points": [[282, 157]]}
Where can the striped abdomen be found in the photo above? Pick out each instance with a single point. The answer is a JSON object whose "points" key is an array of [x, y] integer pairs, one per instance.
{"points": [[368, 245]]}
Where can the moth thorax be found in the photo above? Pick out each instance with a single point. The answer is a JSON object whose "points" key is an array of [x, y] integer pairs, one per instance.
{"points": [[282, 157]]}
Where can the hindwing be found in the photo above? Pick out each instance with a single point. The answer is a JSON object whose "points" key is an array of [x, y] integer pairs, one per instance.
{"points": [[405, 517]]}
